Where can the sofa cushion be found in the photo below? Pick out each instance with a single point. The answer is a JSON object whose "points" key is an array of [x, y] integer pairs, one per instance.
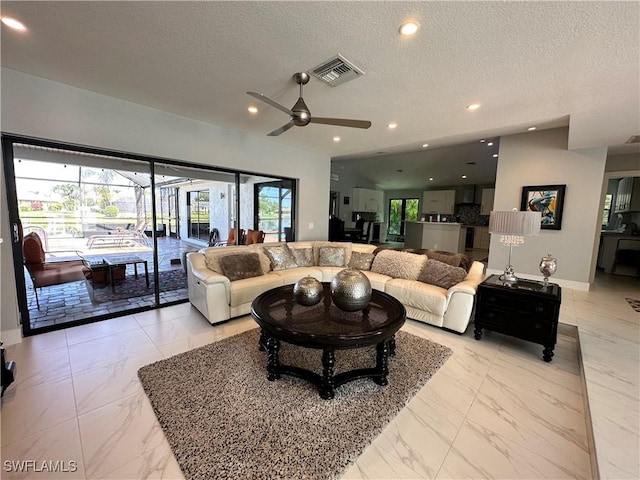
{"points": [[361, 261], [441, 274], [292, 275], [303, 256], [451, 258], [422, 296], [281, 257], [240, 265], [399, 264], [331, 257], [246, 290]]}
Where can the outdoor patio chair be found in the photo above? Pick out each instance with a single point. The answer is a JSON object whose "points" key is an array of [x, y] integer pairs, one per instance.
{"points": [[43, 273], [254, 236]]}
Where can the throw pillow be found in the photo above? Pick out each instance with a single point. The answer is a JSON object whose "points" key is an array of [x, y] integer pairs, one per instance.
{"points": [[331, 257], [241, 265], [398, 264], [303, 256], [361, 261], [451, 258], [281, 257], [441, 274], [317, 245]]}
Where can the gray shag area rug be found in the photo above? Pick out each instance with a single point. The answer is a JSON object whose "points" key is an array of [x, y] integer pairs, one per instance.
{"points": [[225, 420]]}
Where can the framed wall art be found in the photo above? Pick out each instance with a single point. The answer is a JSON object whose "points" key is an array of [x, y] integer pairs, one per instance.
{"points": [[546, 199]]}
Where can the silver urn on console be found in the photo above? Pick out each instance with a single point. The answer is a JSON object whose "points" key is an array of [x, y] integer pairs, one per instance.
{"points": [[307, 291], [548, 266], [350, 290]]}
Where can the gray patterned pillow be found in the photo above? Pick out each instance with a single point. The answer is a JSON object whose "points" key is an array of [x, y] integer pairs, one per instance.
{"points": [[331, 257], [303, 256], [399, 264], [361, 261], [241, 265], [281, 257], [441, 274]]}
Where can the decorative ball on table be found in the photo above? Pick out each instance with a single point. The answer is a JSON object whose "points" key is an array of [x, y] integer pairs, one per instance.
{"points": [[307, 291], [350, 290]]}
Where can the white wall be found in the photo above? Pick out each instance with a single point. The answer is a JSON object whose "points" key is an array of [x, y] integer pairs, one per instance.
{"points": [[40, 108], [542, 158], [9, 326]]}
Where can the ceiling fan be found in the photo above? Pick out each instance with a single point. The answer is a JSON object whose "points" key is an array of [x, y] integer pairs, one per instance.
{"points": [[299, 115]]}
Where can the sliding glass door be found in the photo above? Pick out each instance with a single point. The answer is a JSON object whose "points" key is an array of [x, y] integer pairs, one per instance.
{"points": [[101, 234]]}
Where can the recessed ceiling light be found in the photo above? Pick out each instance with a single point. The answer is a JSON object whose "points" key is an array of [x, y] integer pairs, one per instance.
{"points": [[531, 129], [431, 179], [399, 170], [409, 28], [495, 155], [13, 23], [336, 139], [464, 176], [473, 106], [392, 125], [490, 144], [482, 141], [425, 145], [471, 163], [252, 109]]}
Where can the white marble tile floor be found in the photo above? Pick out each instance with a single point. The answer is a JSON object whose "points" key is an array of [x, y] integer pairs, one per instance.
{"points": [[494, 410]]}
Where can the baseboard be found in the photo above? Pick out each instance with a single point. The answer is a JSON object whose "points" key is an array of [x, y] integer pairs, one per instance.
{"points": [[11, 337], [571, 284]]}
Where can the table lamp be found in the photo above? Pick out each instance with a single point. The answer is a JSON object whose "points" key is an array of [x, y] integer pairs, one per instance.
{"points": [[513, 226]]}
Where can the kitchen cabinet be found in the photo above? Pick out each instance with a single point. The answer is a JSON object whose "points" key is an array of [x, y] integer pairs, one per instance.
{"points": [[628, 195], [439, 201], [437, 235], [486, 202], [481, 237], [367, 200]]}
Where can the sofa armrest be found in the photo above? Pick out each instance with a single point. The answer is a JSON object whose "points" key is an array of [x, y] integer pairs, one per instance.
{"points": [[197, 266], [471, 281]]}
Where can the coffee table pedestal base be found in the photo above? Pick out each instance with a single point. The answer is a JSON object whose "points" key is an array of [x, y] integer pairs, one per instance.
{"points": [[328, 381]]}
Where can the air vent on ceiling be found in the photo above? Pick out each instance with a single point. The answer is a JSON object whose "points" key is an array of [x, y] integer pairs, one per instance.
{"points": [[633, 139], [336, 71]]}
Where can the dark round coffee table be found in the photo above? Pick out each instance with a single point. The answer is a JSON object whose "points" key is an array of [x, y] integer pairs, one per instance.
{"points": [[324, 326]]}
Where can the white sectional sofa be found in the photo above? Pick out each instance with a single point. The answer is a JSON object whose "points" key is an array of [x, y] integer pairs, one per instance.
{"points": [[219, 298]]}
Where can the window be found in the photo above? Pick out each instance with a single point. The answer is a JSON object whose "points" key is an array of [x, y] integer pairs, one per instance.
{"points": [[401, 210], [606, 212]]}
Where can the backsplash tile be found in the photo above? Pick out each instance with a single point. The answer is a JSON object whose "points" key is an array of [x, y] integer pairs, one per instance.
{"points": [[470, 215]]}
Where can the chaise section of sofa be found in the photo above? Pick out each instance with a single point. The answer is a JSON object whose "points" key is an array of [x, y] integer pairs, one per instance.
{"points": [[224, 281]]}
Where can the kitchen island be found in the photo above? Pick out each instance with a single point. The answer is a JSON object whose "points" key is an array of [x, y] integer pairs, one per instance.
{"points": [[437, 235]]}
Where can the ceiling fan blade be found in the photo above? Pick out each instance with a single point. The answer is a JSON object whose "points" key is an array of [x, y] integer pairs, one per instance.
{"points": [[266, 99], [342, 122], [282, 129]]}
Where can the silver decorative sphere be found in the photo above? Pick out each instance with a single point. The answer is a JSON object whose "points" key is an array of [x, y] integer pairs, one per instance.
{"points": [[307, 291], [351, 290], [548, 266]]}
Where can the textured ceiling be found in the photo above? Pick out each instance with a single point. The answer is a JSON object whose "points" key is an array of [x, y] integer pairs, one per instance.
{"points": [[527, 63]]}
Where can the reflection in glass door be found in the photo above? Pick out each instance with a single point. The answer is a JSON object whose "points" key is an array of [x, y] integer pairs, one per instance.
{"points": [[199, 224], [274, 209]]}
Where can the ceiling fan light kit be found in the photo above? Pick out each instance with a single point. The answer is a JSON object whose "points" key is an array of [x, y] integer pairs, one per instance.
{"points": [[299, 114]]}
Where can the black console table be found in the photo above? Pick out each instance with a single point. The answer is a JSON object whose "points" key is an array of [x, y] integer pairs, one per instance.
{"points": [[525, 309]]}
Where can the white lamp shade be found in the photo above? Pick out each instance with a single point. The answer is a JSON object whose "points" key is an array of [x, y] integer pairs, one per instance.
{"points": [[515, 223]]}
